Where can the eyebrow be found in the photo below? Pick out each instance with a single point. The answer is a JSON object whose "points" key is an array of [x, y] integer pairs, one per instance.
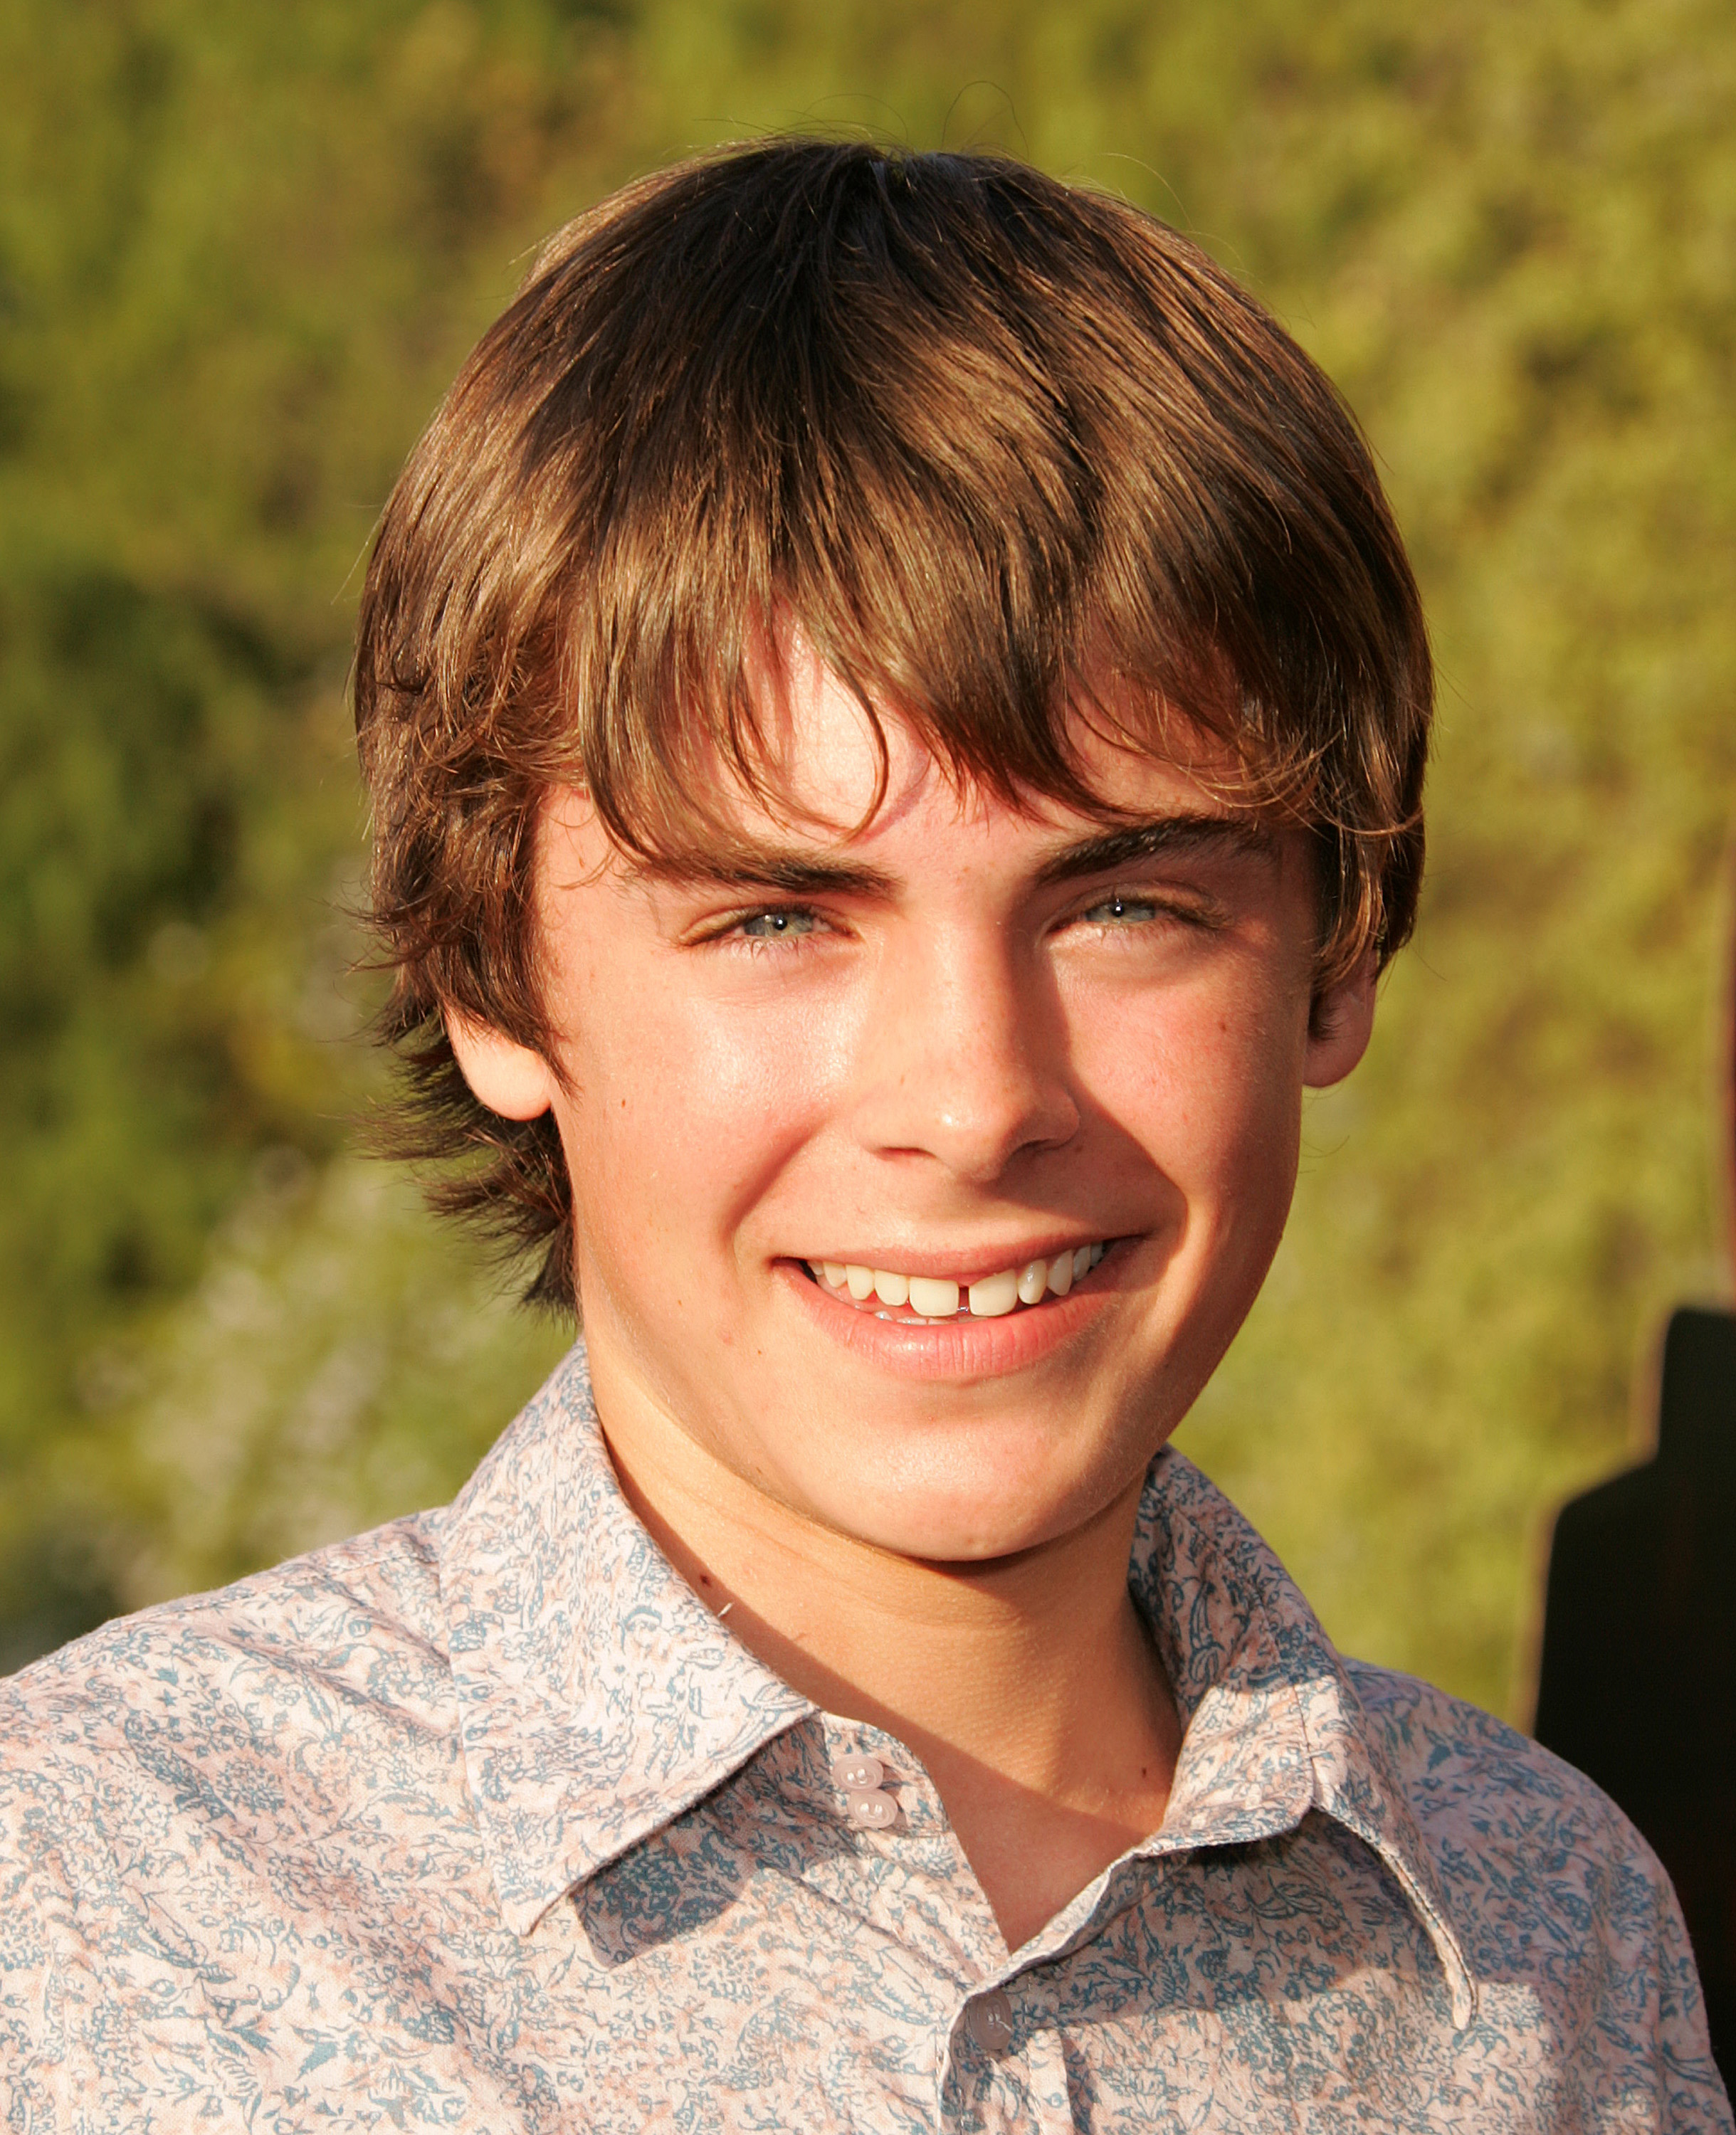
{"points": [[1157, 839], [790, 873]]}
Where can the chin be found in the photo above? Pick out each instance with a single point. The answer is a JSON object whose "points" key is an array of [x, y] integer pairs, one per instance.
{"points": [[944, 1525]]}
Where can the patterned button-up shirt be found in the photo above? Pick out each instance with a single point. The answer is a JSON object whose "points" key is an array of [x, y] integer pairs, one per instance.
{"points": [[484, 1822]]}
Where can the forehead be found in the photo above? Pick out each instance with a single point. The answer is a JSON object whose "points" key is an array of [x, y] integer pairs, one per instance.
{"points": [[836, 772]]}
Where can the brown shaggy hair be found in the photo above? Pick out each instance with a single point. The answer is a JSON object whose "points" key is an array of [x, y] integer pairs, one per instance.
{"points": [[995, 443]]}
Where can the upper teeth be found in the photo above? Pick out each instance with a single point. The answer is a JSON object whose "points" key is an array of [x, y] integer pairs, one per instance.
{"points": [[936, 1297]]}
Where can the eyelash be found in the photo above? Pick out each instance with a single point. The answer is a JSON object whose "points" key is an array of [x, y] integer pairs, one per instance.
{"points": [[1131, 908], [781, 934], [1119, 902], [784, 923], [780, 917]]}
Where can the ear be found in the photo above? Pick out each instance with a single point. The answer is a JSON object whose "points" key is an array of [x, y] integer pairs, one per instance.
{"points": [[1340, 1025], [504, 1075]]}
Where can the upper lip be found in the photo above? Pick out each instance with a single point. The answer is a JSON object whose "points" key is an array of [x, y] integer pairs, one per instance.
{"points": [[966, 1265]]}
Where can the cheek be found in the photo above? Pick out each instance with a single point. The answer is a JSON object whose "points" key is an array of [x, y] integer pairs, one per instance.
{"points": [[1209, 1082], [684, 1112]]}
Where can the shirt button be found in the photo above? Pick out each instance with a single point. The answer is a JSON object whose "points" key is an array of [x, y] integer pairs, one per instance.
{"points": [[857, 1774], [989, 2020], [875, 1810]]}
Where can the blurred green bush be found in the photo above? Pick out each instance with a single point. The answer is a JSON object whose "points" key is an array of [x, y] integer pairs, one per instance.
{"points": [[240, 253]]}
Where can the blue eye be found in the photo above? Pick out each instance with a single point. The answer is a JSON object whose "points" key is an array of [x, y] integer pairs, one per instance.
{"points": [[777, 926], [1133, 908]]}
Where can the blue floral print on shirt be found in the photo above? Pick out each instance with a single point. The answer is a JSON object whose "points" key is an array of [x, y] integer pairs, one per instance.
{"points": [[483, 1822]]}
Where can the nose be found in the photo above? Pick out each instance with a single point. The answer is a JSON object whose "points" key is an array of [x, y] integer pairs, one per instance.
{"points": [[964, 1058]]}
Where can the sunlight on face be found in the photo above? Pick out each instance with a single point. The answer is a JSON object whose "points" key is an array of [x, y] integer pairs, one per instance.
{"points": [[924, 1168]]}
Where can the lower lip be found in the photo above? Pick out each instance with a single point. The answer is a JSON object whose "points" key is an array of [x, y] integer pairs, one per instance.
{"points": [[962, 1348]]}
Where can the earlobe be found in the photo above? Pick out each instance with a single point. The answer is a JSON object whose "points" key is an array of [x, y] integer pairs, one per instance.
{"points": [[504, 1075], [1340, 1025]]}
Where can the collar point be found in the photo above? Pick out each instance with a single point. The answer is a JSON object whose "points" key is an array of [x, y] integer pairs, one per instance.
{"points": [[523, 1910]]}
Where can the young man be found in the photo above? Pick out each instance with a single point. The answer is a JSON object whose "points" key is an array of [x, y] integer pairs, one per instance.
{"points": [[895, 712]]}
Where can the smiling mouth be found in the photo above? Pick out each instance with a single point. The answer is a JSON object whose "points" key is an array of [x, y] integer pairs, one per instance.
{"points": [[925, 1301]]}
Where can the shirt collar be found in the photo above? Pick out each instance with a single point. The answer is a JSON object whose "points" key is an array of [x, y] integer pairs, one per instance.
{"points": [[600, 1698], [1273, 1726]]}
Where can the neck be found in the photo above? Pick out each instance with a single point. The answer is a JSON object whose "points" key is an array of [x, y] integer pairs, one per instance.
{"points": [[1028, 1686]]}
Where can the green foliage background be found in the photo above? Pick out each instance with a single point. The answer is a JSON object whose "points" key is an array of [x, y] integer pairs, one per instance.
{"points": [[241, 250]]}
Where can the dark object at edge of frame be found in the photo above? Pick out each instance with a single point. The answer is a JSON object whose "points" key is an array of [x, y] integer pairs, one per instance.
{"points": [[1637, 1680]]}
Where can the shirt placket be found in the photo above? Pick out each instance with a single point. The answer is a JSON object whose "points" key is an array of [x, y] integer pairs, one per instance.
{"points": [[908, 1866], [1000, 2059], [1002, 2065]]}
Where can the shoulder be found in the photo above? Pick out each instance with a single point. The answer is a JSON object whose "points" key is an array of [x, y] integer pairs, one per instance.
{"points": [[1565, 1916], [202, 1808], [1490, 1802], [210, 1709]]}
